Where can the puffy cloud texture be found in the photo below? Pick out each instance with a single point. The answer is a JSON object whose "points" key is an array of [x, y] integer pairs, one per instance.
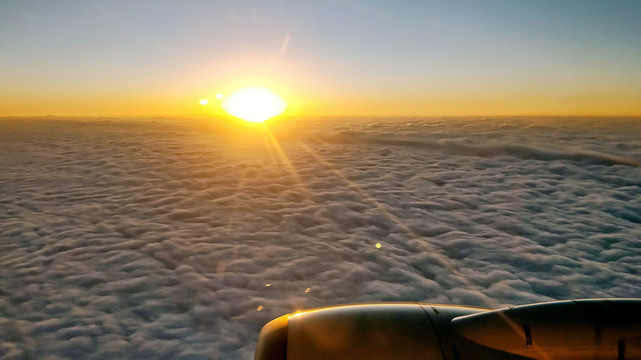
{"points": [[170, 238]]}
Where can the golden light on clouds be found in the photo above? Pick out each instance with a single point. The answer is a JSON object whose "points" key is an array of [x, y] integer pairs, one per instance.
{"points": [[254, 104]]}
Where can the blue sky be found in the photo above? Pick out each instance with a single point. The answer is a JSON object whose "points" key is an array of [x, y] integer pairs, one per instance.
{"points": [[347, 56]]}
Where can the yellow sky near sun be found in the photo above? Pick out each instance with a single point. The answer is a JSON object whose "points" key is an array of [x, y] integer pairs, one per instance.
{"points": [[330, 105], [311, 93], [482, 104], [308, 96]]}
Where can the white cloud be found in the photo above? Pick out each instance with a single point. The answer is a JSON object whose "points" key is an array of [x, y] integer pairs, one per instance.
{"points": [[144, 239]]}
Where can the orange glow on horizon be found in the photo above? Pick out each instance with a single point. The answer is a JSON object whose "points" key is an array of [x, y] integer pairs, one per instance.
{"points": [[323, 104]]}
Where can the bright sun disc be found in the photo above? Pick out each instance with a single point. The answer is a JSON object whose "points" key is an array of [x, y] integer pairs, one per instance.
{"points": [[254, 104]]}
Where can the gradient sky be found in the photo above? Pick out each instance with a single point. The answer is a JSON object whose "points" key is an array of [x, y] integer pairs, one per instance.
{"points": [[330, 57]]}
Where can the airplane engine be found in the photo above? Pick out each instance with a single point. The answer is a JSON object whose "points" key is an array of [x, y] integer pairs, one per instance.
{"points": [[575, 329]]}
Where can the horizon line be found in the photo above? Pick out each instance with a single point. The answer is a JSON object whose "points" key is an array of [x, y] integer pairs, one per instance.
{"points": [[326, 116]]}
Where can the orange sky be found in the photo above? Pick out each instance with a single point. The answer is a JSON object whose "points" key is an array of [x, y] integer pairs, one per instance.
{"points": [[325, 58]]}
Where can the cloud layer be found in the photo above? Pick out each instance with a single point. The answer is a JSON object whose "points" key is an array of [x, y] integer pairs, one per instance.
{"points": [[168, 238]]}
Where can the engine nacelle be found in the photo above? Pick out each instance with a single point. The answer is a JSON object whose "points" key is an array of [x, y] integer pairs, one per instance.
{"points": [[578, 329]]}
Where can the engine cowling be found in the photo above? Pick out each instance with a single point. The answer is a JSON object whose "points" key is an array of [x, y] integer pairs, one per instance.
{"points": [[581, 329]]}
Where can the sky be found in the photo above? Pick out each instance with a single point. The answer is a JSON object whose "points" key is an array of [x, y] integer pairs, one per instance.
{"points": [[330, 57]]}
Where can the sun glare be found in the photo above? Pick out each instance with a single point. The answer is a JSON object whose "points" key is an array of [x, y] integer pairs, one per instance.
{"points": [[203, 102], [254, 104]]}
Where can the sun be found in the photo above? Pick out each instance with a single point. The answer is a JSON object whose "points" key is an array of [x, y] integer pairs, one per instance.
{"points": [[254, 104]]}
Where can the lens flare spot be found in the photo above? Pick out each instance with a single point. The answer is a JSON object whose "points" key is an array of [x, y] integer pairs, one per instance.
{"points": [[308, 290], [378, 245], [254, 104], [259, 308], [219, 96], [204, 102]]}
